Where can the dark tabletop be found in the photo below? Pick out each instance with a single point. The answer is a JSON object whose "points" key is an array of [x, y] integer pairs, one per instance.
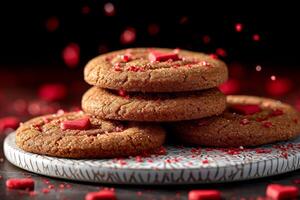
{"points": [[19, 97]]}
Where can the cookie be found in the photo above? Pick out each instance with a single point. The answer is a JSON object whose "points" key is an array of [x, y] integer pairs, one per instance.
{"points": [[120, 105], [248, 121], [78, 135], [155, 70]]}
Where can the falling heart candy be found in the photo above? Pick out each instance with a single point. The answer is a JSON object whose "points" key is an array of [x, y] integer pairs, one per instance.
{"points": [[77, 124], [161, 56], [204, 195], [247, 109], [278, 192]]}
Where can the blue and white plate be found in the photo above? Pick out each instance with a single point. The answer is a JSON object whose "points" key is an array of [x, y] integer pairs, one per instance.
{"points": [[180, 165]]}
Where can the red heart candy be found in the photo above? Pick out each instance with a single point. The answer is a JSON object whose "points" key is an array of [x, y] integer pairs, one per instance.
{"points": [[102, 195], [204, 195], [77, 124], [248, 109], [21, 183], [161, 56], [278, 192]]}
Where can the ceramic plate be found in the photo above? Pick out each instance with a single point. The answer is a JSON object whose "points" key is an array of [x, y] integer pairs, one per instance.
{"points": [[180, 165]]}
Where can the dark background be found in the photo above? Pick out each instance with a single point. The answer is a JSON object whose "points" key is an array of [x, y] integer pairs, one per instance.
{"points": [[50, 41], [26, 40]]}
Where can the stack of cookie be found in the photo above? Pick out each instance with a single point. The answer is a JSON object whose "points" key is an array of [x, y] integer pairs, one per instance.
{"points": [[157, 85], [134, 88]]}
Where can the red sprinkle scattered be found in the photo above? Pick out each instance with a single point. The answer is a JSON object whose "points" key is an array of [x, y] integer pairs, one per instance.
{"points": [[213, 56], [126, 57], [22, 183], [122, 93], [284, 155], [244, 121], [238, 27], [128, 36], [51, 186], [52, 92], [135, 69], [276, 112], [267, 124], [204, 195], [138, 159], [71, 55], [279, 192], [117, 67], [9, 122], [45, 190], [77, 124], [161, 56], [263, 150], [247, 109], [101, 195], [205, 161]]}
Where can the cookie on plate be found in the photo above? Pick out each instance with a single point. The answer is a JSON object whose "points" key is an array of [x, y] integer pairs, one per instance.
{"points": [[119, 105], [155, 70], [248, 121], [78, 135]]}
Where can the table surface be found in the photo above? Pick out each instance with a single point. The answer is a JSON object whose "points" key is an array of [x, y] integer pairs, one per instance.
{"points": [[11, 101]]}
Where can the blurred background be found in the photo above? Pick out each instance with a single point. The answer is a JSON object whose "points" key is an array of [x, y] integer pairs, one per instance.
{"points": [[44, 46]]}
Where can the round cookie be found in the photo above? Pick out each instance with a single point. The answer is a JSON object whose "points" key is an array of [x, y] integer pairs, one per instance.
{"points": [[77, 135], [155, 70], [248, 121], [119, 105]]}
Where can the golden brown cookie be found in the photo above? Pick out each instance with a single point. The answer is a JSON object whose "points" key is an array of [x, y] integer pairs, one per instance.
{"points": [[119, 105], [248, 121], [155, 70], [78, 135]]}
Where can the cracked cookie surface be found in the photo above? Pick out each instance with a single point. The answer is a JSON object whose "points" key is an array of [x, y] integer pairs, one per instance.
{"points": [[248, 121], [108, 104], [172, 71], [100, 139]]}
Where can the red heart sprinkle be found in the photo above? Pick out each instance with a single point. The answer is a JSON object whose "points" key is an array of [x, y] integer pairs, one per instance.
{"points": [[126, 57], [278, 192], [276, 112], [161, 56], [20, 183], [248, 109], [101, 195], [267, 124], [122, 93], [204, 195], [77, 124]]}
